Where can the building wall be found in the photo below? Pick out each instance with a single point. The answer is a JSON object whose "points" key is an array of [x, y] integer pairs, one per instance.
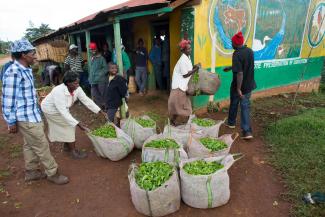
{"points": [[286, 42]]}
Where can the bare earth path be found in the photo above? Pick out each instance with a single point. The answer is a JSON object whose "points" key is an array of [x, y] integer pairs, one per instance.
{"points": [[99, 187]]}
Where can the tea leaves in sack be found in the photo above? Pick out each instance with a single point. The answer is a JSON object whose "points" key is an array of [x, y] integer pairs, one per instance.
{"points": [[152, 175], [111, 142], [155, 189], [208, 126], [163, 148], [203, 122], [205, 182], [213, 144], [139, 129]]}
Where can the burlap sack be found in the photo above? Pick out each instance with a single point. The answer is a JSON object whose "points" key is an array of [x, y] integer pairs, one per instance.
{"points": [[112, 148], [208, 84], [159, 202], [138, 133], [196, 149], [206, 191], [212, 131], [172, 156]]}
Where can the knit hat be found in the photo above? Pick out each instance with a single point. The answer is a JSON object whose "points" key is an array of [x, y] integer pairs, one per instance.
{"points": [[93, 46], [184, 43], [238, 39], [21, 46]]}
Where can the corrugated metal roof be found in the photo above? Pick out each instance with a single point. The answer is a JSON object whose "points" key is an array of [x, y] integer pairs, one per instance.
{"points": [[125, 5]]}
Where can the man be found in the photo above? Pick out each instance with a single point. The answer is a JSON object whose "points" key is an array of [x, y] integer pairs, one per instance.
{"points": [[155, 58], [107, 54], [141, 75], [74, 62], [165, 60], [97, 75], [21, 112], [242, 85]]}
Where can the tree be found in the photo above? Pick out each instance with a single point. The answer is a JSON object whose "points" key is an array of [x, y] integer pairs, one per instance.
{"points": [[33, 32], [4, 46]]}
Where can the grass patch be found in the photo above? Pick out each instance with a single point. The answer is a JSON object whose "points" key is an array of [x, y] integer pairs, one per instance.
{"points": [[299, 153], [4, 173]]}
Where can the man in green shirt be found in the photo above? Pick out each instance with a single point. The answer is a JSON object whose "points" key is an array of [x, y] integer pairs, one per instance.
{"points": [[97, 75]]}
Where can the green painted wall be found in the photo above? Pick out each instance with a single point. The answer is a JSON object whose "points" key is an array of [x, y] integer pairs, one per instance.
{"points": [[267, 78]]}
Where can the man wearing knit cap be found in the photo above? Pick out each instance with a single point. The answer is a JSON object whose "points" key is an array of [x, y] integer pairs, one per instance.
{"points": [[22, 113], [242, 85]]}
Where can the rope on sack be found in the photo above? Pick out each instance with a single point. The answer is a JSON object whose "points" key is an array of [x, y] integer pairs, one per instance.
{"points": [[166, 156], [176, 156], [209, 192], [124, 144], [149, 204]]}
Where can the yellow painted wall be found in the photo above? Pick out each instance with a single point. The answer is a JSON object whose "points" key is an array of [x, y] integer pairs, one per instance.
{"points": [[201, 30], [175, 37]]}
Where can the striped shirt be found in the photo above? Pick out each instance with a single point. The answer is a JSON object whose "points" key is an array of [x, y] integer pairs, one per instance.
{"points": [[19, 99], [74, 62]]}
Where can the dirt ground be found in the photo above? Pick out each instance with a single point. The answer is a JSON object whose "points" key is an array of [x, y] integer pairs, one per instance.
{"points": [[99, 187], [4, 59]]}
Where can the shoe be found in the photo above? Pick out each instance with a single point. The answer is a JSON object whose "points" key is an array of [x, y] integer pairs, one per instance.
{"points": [[141, 94], [230, 125], [58, 179], [77, 154], [66, 147], [247, 135], [31, 175]]}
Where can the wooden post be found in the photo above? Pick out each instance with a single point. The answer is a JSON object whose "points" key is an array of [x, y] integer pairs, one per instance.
{"points": [[118, 51], [71, 39], [87, 32], [79, 43], [109, 42]]}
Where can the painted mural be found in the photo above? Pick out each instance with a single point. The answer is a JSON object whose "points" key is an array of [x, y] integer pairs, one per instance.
{"points": [[316, 30], [278, 32], [227, 17]]}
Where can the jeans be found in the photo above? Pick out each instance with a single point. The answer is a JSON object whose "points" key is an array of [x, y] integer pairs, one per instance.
{"points": [[158, 74], [166, 74], [97, 93], [141, 77], [244, 111], [111, 114]]}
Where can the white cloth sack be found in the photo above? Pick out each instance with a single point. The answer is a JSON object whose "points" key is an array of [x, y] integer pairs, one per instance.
{"points": [[138, 133], [172, 156], [212, 131], [160, 202], [206, 191], [112, 148], [196, 149]]}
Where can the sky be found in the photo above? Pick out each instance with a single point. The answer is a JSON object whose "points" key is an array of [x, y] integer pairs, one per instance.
{"points": [[16, 15]]}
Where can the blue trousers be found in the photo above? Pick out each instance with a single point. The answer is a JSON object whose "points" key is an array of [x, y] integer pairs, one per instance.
{"points": [[141, 77], [159, 76], [244, 110]]}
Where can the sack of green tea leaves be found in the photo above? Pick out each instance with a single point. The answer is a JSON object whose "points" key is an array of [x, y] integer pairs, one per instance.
{"points": [[203, 146], [205, 182], [208, 126], [203, 82], [139, 129], [155, 189], [111, 142], [180, 133], [163, 148]]}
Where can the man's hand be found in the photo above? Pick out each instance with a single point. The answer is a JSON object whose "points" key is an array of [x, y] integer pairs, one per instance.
{"points": [[104, 114], [82, 126], [240, 94], [227, 69], [12, 129]]}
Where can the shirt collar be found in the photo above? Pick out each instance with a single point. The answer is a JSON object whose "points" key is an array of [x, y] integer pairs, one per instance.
{"points": [[66, 91], [21, 66]]}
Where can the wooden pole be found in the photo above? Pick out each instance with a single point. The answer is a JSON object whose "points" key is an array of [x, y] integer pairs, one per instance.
{"points": [[118, 51], [71, 39], [88, 50]]}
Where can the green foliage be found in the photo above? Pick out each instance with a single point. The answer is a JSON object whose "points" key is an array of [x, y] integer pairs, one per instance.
{"points": [[152, 175], [33, 32], [299, 153], [106, 131], [162, 143], [213, 144], [4, 47], [147, 123], [201, 167], [204, 122]]}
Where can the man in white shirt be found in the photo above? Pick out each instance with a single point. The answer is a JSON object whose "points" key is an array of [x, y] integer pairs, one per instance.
{"points": [[179, 104]]}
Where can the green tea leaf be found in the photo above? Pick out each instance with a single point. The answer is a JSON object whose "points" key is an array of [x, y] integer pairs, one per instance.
{"points": [[106, 131], [145, 122], [201, 167], [162, 143], [204, 122], [213, 144]]}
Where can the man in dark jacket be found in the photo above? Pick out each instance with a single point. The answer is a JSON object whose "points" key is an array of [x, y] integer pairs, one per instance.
{"points": [[115, 91], [242, 85]]}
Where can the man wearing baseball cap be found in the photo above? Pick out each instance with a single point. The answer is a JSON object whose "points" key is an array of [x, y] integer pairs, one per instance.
{"points": [[21, 112], [242, 85]]}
